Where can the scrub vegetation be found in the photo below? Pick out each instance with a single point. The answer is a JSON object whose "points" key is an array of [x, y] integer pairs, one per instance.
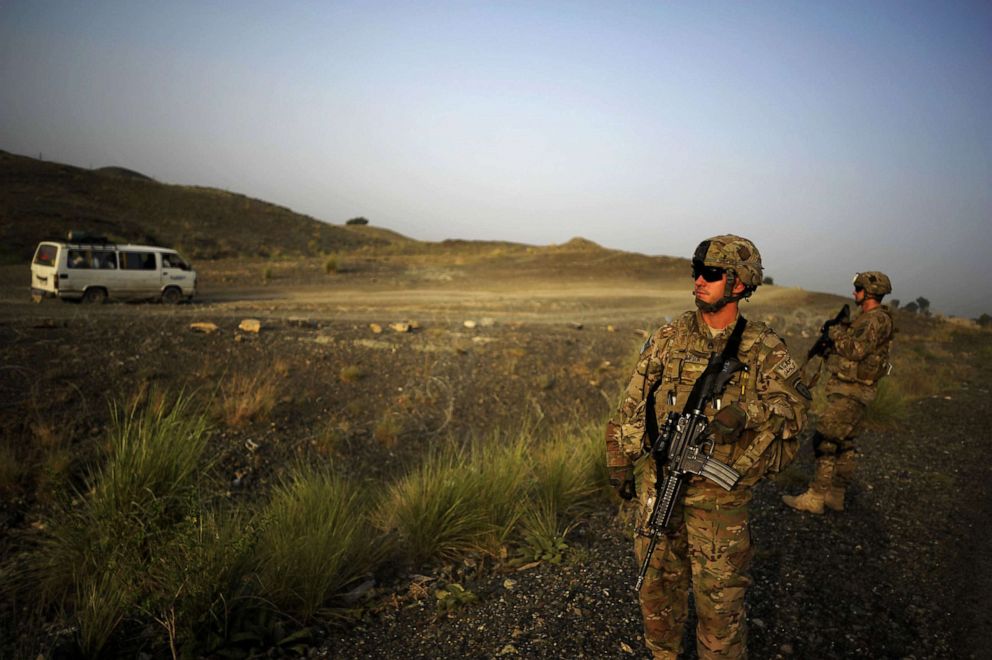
{"points": [[150, 554]]}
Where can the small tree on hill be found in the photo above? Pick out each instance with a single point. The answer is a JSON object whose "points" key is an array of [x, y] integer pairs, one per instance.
{"points": [[911, 307], [768, 280], [894, 303], [924, 305], [357, 221], [984, 321]]}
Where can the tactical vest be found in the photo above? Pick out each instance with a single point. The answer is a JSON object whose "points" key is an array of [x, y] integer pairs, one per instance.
{"points": [[875, 364], [684, 358]]}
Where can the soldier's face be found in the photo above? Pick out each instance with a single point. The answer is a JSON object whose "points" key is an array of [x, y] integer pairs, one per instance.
{"points": [[859, 295], [709, 290]]}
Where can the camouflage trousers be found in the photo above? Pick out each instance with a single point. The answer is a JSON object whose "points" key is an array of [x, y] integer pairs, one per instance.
{"points": [[710, 543], [838, 425]]}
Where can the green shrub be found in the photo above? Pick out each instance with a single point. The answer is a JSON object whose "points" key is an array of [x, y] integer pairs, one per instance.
{"points": [[888, 408], [12, 468], [457, 501], [199, 583], [569, 476], [316, 543], [139, 544], [351, 373]]}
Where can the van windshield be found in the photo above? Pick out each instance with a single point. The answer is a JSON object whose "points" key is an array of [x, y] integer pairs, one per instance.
{"points": [[45, 256], [173, 260]]}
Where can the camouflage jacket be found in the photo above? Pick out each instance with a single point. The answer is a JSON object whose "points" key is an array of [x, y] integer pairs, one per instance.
{"points": [[674, 357], [860, 356]]}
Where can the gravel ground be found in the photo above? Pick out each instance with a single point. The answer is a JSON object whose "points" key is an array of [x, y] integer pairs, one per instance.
{"points": [[903, 573]]}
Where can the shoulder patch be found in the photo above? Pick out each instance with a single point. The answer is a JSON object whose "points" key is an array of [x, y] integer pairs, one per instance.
{"points": [[661, 334], [786, 367]]}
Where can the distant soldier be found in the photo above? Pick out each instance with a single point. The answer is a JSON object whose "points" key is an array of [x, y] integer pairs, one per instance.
{"points": [[857, 359], [752, 428]]}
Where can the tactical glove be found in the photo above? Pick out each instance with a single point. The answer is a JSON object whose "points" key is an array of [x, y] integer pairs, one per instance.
{"points": [[622, 480], [728, 424]]}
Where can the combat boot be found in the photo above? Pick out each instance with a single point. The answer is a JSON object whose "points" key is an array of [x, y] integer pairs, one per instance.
{"points": [[834, 498], [813, 499], [843, 471]]}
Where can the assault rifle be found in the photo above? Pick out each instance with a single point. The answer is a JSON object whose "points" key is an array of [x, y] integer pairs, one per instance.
{"points": [[821, 348], [825, 344], [683, 448]]}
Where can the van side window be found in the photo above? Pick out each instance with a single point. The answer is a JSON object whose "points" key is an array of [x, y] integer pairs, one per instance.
{"points": [[138, 260], [80, 258], [106, 260], [46, 255]]}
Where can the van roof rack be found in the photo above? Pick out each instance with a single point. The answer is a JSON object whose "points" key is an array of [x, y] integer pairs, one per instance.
{"points": [[78, 236]]}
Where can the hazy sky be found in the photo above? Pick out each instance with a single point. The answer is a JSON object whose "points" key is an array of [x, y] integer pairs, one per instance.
{"points": [[839, 136]]}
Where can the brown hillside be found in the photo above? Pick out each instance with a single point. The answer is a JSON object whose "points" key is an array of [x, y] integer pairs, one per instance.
{"points": [[45, 200], [41, 199]]}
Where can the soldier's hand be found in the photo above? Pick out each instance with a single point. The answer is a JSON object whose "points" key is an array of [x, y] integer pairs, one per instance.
{"points": [[728, 424], [622, 480]]}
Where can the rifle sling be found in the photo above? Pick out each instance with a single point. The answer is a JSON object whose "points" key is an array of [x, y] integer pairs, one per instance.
{"points": [[730, 350]]}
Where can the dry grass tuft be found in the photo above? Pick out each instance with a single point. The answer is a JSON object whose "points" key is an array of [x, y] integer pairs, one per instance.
{"points": [[330, 439], [248, 397], [387, 431]]}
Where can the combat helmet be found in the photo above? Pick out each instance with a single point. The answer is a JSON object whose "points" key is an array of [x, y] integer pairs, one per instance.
{"points": [[739, 257], [876, 284]]}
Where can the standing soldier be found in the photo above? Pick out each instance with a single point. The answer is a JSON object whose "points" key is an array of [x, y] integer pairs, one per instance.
{"points": [[752, 428], [858, 358]]}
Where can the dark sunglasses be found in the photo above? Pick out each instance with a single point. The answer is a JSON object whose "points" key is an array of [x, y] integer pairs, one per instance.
{"points": [[858, 289], [709, 273]]}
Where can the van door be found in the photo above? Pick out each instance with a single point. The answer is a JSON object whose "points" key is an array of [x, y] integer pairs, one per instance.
{"points": [[106, 272], [176, 272], [44, 271], [140, 273], [80, 272]]}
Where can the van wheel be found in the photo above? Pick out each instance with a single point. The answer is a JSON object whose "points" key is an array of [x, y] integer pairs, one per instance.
{"points": [[95, 296], [171, 296]]}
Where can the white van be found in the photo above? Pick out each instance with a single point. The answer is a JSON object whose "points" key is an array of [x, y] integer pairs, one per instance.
{"points": [[93, 271]]}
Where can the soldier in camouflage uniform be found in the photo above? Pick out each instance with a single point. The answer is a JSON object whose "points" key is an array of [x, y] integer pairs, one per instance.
{"points": [[753, 429], [857, 360]]}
